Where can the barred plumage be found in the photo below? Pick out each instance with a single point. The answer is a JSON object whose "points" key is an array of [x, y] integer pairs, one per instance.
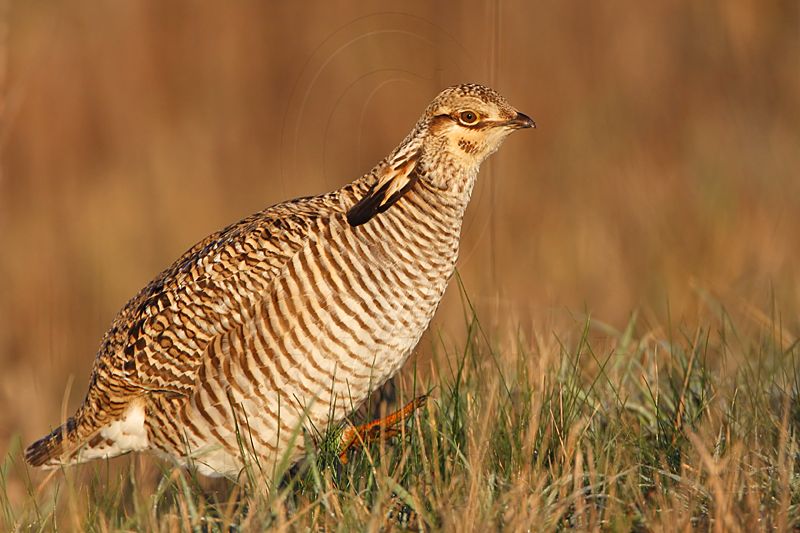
{"points": [[288, 319]]}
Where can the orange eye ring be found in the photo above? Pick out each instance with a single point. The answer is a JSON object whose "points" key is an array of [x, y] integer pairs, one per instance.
{"points": [[468, 118]]}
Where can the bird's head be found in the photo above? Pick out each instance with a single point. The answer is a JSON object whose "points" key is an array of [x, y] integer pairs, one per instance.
{"points": [[468, 123], [459, 129]]}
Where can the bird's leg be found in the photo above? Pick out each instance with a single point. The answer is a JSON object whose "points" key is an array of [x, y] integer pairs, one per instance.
{"points": [[359, 436]]}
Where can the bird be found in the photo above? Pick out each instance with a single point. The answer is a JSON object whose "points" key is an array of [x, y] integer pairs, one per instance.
{"points": [[284, 322]]}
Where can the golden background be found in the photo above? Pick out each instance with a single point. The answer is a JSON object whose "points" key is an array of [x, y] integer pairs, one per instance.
{"points": [[665, 166]]}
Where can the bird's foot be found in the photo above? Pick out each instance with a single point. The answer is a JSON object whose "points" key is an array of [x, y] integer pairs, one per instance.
{"points": [[354, 437]]}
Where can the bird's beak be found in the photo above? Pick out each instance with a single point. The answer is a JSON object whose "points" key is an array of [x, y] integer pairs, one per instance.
{"points": [[521, 121]]}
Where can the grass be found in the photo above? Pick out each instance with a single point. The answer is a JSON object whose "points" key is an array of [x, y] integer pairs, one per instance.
{"points": [[589, 428]]}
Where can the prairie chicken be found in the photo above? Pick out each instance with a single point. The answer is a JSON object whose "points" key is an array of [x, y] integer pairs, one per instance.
{"points": [[286, 320]]}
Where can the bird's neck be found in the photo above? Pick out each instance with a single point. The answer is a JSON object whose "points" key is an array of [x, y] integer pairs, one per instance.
{"points": [[433, 209], [450, 182], [444, 185], [447, 194]]}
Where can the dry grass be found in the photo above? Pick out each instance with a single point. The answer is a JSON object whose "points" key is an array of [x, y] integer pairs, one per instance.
{"points": [[652, 429], [662, 181]]}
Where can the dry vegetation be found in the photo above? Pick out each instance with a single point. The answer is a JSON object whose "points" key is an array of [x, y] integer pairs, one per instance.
{"points": [[622, 351]]}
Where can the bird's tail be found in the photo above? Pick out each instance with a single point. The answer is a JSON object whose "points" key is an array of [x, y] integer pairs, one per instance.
{"points": [[56, 448], [80, 440]]}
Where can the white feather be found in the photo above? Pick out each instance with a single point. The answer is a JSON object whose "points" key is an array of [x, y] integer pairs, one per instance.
{"points": [[128, 434]]}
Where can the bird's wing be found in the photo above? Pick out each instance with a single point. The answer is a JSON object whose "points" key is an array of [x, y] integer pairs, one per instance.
{"points": [[156, 341]]}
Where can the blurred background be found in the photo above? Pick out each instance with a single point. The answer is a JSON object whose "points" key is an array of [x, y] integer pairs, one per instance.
{"points": [[665, 166]]}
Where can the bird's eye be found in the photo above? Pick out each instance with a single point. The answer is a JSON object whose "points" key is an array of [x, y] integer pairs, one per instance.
{"points": [[468, 118]]}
